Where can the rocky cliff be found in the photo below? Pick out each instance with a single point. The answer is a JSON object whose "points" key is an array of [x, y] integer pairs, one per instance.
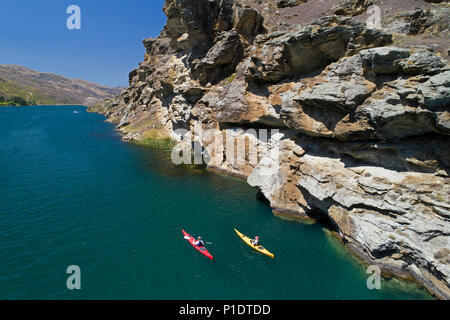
{"points": [[362, 114]]}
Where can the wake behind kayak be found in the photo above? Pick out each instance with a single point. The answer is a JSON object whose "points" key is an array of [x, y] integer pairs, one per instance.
{"points": [[202, 250]]}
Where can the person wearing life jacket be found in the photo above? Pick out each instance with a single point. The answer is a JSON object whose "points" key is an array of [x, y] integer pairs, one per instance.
{"points": [[255, 241], [199, 242]]}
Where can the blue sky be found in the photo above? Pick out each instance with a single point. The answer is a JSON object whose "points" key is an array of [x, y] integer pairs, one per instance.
{"points": [[108, 46]]}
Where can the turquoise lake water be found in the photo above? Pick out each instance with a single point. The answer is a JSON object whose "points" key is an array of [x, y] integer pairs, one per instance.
{"points": [[73, 193]]}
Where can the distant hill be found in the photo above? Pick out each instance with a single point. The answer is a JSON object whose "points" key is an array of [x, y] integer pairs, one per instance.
{"points": [[19, 84]]}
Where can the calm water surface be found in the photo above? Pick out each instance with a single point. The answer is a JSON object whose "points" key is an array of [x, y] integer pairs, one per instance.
{"points": [[72, 193]]}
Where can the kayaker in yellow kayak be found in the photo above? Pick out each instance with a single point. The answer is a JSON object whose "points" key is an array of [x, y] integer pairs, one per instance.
{"points": [[255, 241]]}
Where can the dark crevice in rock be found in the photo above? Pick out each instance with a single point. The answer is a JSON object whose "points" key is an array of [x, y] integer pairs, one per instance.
{"points": [[435, 234], [323, 219], [385, 212], [261, 197], [314, 203], [380, 254]]}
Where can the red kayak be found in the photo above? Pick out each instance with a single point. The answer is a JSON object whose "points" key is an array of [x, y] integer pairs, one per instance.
{"points": [[201, 249]]}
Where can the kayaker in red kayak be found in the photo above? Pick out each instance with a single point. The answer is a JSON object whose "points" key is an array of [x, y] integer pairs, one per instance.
{"points": [[193, 242], [199, 242]]}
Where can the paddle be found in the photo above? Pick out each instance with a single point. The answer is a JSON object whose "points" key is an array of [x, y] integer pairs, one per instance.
{"points": [[187, 238]]}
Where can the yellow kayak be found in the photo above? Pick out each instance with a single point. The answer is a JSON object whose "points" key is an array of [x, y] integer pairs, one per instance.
{"points": [[257, 248]]}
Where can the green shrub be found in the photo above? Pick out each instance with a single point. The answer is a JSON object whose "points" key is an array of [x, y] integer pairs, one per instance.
{"points": [[161, 144]]}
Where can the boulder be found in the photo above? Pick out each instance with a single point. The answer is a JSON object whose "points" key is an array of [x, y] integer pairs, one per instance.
{"points": [[435, 92], [221, 59], [248, 21], [289, 54], [423, 62], [289, 3], [384, 60], [352, 7], [434, 21]]}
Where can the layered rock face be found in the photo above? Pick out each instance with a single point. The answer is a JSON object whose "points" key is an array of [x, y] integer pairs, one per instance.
{"points": [[361, 127]]}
